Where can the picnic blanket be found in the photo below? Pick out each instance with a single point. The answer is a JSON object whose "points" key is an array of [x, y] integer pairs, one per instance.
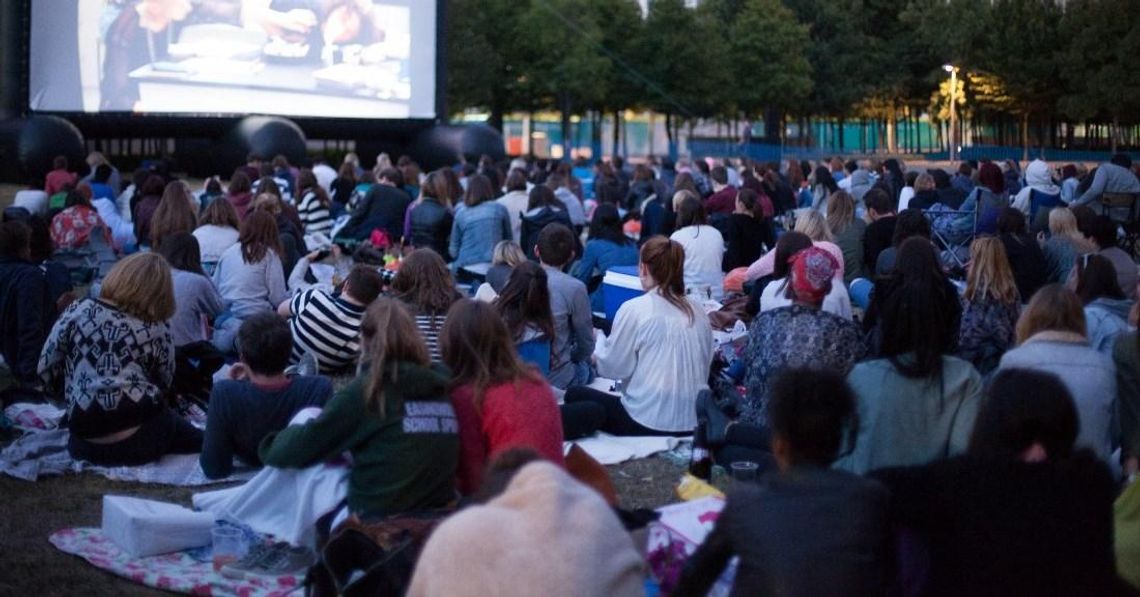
{"points": [[190, 572], [44, 453], [612, 449]]}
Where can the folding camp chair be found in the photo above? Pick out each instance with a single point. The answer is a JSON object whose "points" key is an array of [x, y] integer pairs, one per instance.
{"points": [[1040, 204], [955, 250]]}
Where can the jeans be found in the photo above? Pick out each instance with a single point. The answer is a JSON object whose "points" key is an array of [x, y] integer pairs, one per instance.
{"points": [[166, 433], [860, 290], [225, 334]]}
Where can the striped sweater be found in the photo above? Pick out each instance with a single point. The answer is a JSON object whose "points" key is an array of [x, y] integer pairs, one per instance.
{"points": [[327, 326]]}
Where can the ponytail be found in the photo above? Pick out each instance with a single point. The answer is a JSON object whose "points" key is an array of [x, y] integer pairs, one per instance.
{"points": [[665, 261]]}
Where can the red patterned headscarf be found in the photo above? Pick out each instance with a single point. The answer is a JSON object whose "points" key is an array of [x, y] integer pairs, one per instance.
{"points": [[812, 271]]}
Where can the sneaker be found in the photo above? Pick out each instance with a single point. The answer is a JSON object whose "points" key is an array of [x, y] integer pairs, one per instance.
{"points": [[277, 559]]}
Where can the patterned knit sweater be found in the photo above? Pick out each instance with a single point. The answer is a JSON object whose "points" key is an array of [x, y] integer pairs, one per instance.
{"points": [[111, 367]]}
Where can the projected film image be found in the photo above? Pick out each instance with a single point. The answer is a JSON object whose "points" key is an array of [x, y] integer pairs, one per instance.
{"points": [[323, 58]]}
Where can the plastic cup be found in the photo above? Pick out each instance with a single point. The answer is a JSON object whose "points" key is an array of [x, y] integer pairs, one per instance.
{"points": [[745, 471], [228, 545]]}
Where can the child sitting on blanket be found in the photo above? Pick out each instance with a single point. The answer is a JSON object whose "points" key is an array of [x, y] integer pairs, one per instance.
{"points": [[259, 399]]}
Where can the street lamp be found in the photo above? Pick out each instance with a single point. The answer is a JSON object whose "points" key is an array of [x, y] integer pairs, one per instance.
{"points": [[953, 70]]}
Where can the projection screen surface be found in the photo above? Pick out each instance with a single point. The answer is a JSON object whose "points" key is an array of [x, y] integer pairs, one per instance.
{"points": [[304, 58]]}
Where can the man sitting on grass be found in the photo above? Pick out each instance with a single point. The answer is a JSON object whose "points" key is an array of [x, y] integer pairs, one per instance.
{"points": [[259, 399]]}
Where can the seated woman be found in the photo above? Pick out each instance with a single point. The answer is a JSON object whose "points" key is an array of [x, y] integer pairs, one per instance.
{"points": [[480, 223], [197, 301], [806, 526], [314, 208], [778, 292], [848, 231], [500, 401], [704, 251], [507, 256], [525, 307], [1064, 244], [813, 224], [1023, 513], [923, 267], [425, 287], [746, 232], [661, 348], [71, 228], [606, 246], [990, 306], [218, 230], [915, 402], [1106, 309], [1051, 338], [249, 277], [1025, 256], [116, 384], [176, 212], [395, 419]]}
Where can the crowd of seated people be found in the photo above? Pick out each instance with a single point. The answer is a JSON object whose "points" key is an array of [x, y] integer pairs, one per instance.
{"points": [[879, 387]]}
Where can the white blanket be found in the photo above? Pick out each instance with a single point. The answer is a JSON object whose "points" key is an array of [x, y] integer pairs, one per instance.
{"points": [[45, 453], [285, 503], [613, 449]]}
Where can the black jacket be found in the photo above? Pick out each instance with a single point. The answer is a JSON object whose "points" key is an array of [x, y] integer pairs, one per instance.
{"points": [[431, 226], [24, 316], [808, 531], [382, 207], [996, 527]]}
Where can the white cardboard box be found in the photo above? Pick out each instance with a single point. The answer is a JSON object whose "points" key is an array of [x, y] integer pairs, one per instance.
{"points": [[144, 528]]}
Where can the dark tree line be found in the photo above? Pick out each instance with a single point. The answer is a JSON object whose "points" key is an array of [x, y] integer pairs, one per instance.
{"points": [[1030, 69]]}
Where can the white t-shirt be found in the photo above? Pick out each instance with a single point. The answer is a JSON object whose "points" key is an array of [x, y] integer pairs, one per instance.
{"points": [[214, 240], [662, 359], [905, 195], [704, 253], [837, 302], [33, 200], [325, 176]]}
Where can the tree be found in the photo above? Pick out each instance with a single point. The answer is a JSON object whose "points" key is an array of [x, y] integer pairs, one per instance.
{"points": [[767, 49], [684, 73], [1098, 64], [484, 57], [622, 29], [563, 65], [844, 57]]}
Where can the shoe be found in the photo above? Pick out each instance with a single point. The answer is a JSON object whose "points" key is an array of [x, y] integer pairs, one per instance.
{"points": [[277, 559], [308, 365]]}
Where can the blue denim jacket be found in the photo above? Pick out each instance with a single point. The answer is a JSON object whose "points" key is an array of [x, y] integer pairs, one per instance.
{"points": [[476, 231]]}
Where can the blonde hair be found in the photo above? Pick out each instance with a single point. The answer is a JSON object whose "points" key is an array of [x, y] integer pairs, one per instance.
{"points": [[1054, 308], [141, 286], [840, 211], [1062, 222], [389, 336], [680, 196], [924, 182], [812, 224], [507, 252], [990, 274]]}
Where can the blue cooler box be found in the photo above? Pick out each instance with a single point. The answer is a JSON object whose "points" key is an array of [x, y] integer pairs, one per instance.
{"points": [[620, 285]]}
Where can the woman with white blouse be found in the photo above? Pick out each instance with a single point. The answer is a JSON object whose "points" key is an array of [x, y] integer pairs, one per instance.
{"points": [[660, 348]]}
